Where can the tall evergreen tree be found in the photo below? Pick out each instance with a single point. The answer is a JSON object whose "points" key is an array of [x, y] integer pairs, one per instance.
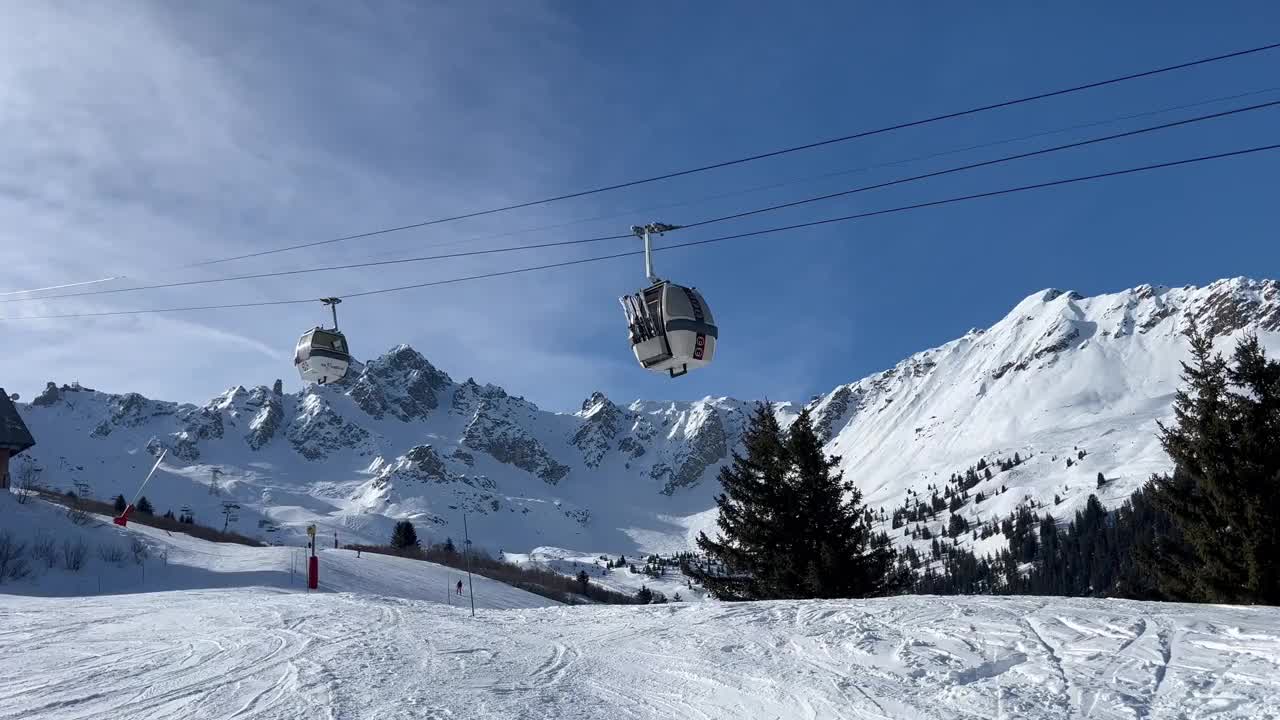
{"points": [[404, 536], [1256, 407], [845, 557], [144, 506], [120, 503], [754, 520], [790, 525], [1222, 496]]}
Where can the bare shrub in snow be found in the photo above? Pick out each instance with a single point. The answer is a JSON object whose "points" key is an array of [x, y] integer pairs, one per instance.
{"points": [[26, 480], [12, 563], [73, 554], [44, 551], [139, 550], [111, 553], [77, 514]]}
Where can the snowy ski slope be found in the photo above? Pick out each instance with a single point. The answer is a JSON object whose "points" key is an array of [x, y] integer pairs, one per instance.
{"points": [[265, 653], [181, 562]]}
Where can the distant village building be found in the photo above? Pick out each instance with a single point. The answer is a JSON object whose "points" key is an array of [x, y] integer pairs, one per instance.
{"points": [[14, 436]]}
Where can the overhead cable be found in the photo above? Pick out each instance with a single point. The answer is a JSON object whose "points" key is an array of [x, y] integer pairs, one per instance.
{"points": [[693, 243], [727, 163], [701, 223]]}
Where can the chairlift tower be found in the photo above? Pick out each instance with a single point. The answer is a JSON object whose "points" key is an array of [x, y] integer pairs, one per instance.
{"points": [[229, 513]]}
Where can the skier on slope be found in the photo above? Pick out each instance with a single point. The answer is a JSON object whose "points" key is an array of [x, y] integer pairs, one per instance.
{"points": [[459, 587]]}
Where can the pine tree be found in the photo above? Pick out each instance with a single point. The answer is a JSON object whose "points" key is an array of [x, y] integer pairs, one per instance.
{"points": [[644, 595], [449, 546], [168, 515], [1222, 496], [755, 519], [404, 536], [1256, 406], [790, 525], [144, 506], [120, 503], [1102, 480], [584, 580], [845, 557]]}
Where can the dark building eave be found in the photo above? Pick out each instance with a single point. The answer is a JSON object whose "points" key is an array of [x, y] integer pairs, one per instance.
{"points": [[14, 435]]}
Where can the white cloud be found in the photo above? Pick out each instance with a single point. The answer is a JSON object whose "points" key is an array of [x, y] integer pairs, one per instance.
{"points": [[137, 138]]}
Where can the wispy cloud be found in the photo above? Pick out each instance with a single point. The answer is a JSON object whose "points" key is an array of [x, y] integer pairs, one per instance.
{"points": [[136, 138]]}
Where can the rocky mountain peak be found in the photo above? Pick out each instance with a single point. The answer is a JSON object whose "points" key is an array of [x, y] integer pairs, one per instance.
{"points": [[598, 402], [1228, 305], [50, 396], [604, 422], [229, 399], [400, 383], [404, 358], [317, 429]]}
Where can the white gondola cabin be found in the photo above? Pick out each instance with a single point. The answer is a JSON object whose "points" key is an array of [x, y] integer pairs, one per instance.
{"points": [[322, 355], [670, 326]]}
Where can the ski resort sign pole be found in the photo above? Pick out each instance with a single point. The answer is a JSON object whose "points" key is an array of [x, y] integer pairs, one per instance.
{"points": [[313, 563], [123, 520]]}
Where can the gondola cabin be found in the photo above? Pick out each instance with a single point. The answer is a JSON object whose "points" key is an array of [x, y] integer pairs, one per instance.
{"points": [[322, 356], [671, 328]]}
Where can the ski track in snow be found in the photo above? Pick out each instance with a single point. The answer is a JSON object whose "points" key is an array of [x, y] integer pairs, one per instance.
{"points": [[270, 653]]}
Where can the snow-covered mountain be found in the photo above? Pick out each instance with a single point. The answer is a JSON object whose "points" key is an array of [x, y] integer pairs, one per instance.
{"points": [[1061, 376], [398, 439], [1073, 385]]}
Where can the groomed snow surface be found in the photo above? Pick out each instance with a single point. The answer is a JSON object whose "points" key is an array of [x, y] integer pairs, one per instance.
{"points": [[207, 630], [272, 653]]}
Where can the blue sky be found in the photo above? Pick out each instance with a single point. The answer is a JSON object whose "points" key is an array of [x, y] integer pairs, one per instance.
{"points": [[136, 138]]}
